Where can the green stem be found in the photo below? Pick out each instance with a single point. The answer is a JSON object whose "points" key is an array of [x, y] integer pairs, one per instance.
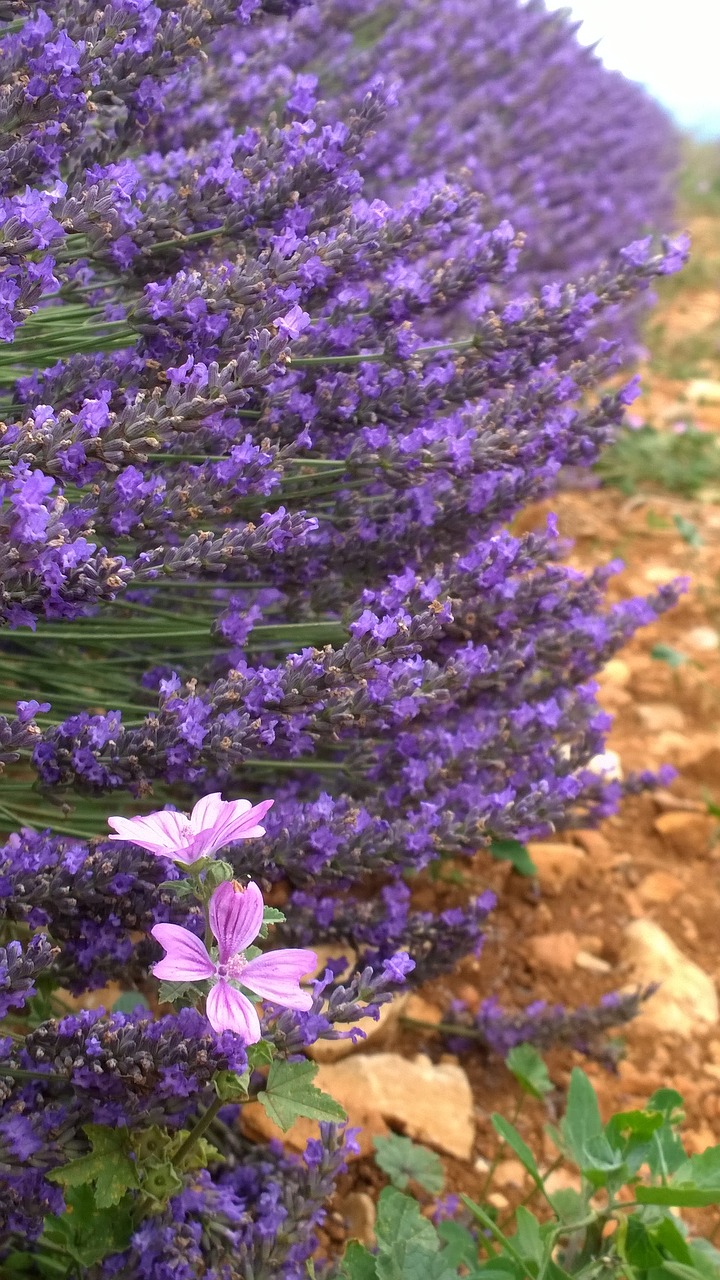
{"points": [[496, 1158], [376, 357], [495, 1232], [22, 1074], [202, 1125], [538, 1188], [445, 1028]]}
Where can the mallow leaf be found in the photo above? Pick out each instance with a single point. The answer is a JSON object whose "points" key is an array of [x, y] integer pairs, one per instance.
{"points": [[516, 853], [108, 1166], [408, 1245], [404, 1161], [88, 1234], [290, 1093], [529, 1070], [582, 1117]]}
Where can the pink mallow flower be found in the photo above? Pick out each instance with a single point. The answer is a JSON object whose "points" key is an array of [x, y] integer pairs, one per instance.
{"points": [[213, 823], [236, 916]]}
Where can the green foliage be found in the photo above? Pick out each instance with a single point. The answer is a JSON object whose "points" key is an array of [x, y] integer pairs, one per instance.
{"points": [[510, 1135], [290, 1093], [679, 462], [86, 1234], [179, 993], [230, 1087], [217, 873], [688, 531], [405, 1161], [271, 915], [180, 888], [529, 1070], [408, 1246], [666, 653], [130, 1000], [101, 1210], [108, 1166], [619, 1224], [516, 853]]}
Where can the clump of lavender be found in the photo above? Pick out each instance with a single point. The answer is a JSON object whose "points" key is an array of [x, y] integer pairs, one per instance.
{"points": [[500, 92], [134, 1116], [272, 388], [544, 1025]]}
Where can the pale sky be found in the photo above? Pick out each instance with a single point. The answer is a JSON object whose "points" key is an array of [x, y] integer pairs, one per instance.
{"points": [[670, 46]]}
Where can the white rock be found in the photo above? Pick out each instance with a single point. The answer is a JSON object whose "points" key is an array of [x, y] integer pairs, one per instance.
{"points": [[593, 964], [660, 574], [687, 1001], [616, 671], [703, 390], [432, 1104], [702, 639], [607, 765]]}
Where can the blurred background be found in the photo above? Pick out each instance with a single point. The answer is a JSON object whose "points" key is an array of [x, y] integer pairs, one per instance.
{"points": [[670, 47]]}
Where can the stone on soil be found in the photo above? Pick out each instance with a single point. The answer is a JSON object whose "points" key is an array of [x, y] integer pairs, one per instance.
{"points": [[660, 887], [702, 639], [359, 1213], [659, 716], [554, 952], [687, 1001], [431, 1104], [700, 759], [689, 835], [593, 964], [703, 391], [556, 864], [372, 1028], [509, 1173]]}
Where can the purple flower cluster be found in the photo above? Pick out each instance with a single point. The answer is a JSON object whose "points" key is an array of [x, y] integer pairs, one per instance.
{"points": [[259, 1208], [18, 969], [500, 92], [545, 1025], [293, 321]]}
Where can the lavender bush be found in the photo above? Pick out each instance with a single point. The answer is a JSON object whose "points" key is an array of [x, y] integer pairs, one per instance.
{"points": [[273, 385]]}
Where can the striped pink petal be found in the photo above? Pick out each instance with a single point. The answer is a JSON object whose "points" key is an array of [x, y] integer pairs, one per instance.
{"points": [[229, 1010], [165, 833], [186, 960], [236, 915], [216, 822], [276, 976]]}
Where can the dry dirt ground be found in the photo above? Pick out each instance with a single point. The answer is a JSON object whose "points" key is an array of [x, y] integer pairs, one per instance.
{"points": [[587, 925]]}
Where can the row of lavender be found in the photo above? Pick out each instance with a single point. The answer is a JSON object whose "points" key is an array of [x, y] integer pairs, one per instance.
{"points": [[279, 370]]}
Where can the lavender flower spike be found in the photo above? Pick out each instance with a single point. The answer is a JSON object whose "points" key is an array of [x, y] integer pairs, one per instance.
{"points": [[213, 823], [236, 916]]}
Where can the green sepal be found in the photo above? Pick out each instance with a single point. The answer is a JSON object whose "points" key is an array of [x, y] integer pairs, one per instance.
{"points": [[171, 992], [231, 1087]]}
